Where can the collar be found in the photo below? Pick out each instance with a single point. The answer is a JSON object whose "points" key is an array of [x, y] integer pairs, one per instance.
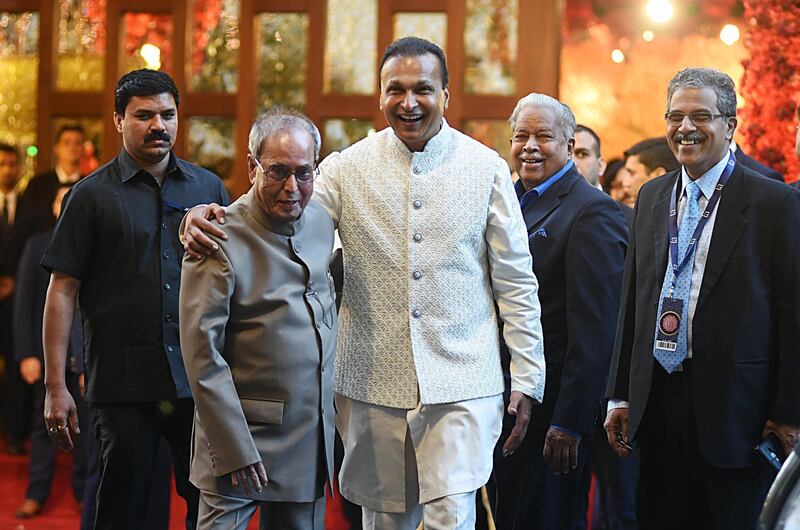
{"points": [[708, 181], [64, 178], [537, 191], [284, 229], [435, 145], [128, 168]]}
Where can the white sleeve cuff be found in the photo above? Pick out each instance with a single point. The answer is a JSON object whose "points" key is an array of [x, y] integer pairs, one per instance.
{"points": [[616, 404]]}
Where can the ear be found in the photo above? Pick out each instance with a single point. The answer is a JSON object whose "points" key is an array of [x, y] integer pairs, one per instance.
{"points": [[732, 124], [571, 146], [601, 163], [118, 122], [252, 169], [657, 172], [446, 97]]}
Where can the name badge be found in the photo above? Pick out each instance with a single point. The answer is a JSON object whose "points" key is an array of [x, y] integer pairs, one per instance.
{"points": [[669, 324]]}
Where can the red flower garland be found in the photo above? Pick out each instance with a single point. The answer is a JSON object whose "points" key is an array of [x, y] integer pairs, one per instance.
{"points": [[771, 83]]}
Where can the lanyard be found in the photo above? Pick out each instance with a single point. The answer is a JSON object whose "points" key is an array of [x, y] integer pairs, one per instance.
{"points": [[677, 267]]}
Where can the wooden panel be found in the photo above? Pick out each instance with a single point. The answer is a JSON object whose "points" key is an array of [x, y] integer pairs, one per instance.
{"points": [[487, 107], [341, 106], [77, 104], [456, 11], [416, 5], [280, 6], [538, 67], [208, 104], [47, 70], [539, 55], [15, 6], [112, 142], [150, 6]]}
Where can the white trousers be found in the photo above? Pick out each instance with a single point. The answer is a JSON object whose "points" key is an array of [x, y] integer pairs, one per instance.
{"points": [[396, 460], [454, 512]]}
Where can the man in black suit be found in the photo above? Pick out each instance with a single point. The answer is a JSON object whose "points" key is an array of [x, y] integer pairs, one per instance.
{"points": [[705, 359], [32, 281], [36, 204], [750, 162], [17, 395], [577, 236]]}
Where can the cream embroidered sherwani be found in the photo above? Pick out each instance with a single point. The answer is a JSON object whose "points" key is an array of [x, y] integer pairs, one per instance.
{"points": [[431, 241]]}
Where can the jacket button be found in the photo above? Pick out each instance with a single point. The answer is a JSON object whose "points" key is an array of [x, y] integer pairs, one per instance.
{"points": [[417, 275], [417, 170], [417, 204], [417, 237], [416, 313]]}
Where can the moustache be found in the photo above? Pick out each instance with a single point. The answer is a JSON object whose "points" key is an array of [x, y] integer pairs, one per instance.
{"points": [[157, 135], [692, 137]]}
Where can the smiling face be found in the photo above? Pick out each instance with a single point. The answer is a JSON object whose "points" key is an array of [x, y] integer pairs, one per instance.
{"points": [[538, 146], [291, 148], [148, 127], [699, 147], [413, 98]]}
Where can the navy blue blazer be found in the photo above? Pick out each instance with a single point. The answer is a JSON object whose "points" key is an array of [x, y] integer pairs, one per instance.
{"points": [[578, 237], [31, 292], [746, 326]]}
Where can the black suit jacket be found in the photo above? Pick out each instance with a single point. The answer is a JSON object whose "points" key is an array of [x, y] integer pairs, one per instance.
{"points": [[755, 165], [746, 327], [32, 282], [578, 237]]}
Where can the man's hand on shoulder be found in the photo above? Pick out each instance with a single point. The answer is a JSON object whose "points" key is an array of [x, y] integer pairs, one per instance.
{"points": [[196, 226], [789, 435], [254, 476]]}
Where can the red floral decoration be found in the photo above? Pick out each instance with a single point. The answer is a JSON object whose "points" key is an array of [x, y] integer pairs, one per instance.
{"points": [[206, 16], [771, 83]]}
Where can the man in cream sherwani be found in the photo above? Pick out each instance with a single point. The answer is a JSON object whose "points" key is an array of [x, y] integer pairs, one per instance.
{"points": [[258, 329], [432, 237]]}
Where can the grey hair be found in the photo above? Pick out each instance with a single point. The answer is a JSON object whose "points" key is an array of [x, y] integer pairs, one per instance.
{"points": [[278, 119], [564, 114], [720, 82]]}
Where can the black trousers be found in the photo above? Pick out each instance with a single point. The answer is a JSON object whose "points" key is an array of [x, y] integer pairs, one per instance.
{"points": [[17, 395], [680, 488], [43, 450], [129, 436], [529, 495]]}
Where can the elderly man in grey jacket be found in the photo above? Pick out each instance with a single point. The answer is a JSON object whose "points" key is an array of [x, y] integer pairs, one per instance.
{"points": [[258, 334]]}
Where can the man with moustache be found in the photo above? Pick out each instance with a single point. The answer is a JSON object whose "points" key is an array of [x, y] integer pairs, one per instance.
{"points": [[705, 360], [115, 248], [577, 236], [418, 376]]}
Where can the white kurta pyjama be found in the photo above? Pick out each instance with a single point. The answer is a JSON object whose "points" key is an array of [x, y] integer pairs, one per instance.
{"points": [[430, 240]]}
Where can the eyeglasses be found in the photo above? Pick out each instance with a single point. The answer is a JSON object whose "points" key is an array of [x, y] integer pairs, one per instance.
{"points": [[281, 172], [698, 118]]}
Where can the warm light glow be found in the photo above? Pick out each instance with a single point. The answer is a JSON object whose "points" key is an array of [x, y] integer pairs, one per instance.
{"points": [[729, 34], [151, 55], [648, 35], [659, 10], [617, 56]]}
